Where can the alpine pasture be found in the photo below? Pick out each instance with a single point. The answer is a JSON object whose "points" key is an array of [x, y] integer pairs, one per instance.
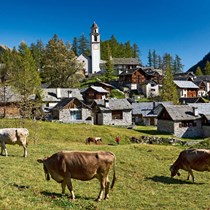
{"points": [[143, 176]]}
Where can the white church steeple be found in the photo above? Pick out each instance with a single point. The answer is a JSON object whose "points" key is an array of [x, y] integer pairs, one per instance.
{"points": [[95, 48]]}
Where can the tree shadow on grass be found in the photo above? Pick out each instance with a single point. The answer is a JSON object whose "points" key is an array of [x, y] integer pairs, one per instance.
{"points": [[169, 180]]}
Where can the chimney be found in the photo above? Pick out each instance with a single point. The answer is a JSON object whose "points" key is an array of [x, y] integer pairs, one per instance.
{"points": [[69, 93], [106, 103], [58, 92], [195, 111]]}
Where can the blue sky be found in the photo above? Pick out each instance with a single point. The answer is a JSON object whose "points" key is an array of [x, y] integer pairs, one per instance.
{"points": [[179, 27]]}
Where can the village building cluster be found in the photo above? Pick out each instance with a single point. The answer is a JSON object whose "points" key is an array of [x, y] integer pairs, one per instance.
{"points": [[93, 105]]}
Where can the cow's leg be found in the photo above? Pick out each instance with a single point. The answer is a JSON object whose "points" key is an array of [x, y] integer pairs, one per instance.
{"points": [[69, 184], [3, 148], [25, 151], [191, 173], [63, 185], [103, 185], [107, 189]]}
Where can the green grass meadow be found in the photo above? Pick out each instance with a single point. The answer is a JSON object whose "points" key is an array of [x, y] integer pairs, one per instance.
{"points": [[143, 177]]}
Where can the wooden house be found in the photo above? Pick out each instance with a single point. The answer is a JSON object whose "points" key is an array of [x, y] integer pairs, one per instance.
{"points": [[186, 89], [94, 92]]}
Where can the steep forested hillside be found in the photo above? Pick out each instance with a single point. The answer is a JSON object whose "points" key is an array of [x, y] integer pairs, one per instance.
{"points": [[201, 63]]}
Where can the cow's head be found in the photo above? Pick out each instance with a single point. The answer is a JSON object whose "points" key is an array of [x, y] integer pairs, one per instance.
{"points": [[174, 171], [47, 175]]}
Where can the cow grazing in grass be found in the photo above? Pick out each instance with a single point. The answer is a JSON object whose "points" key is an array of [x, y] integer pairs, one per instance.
{"points": [[95, 140], [13, 136], [191, 159], [66, 165]]}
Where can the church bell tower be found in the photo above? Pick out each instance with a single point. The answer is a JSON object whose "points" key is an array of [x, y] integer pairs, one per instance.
{"points": [[95, 48]]}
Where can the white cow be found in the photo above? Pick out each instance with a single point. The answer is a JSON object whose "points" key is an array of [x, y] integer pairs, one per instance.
{"points": [[13, 136]]}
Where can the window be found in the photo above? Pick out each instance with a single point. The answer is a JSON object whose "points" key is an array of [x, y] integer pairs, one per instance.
{"points": [[117, 114], [76, 114]]}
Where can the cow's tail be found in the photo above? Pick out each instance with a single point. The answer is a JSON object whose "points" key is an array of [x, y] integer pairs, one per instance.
{"points": [[114, 173]]}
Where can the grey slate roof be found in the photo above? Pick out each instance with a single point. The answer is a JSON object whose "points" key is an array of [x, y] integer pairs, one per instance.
{"points": [[9, 95], [203, 108], [185, 84], [99, 89], [114, 104], [145, 108], [181, 112], [61, 104], [50, 94], [125, 61]]}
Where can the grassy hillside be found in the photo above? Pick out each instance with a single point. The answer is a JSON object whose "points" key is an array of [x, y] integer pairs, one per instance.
{"points": [[143, 178]]}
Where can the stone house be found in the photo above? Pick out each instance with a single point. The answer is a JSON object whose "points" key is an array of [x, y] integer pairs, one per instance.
{"points": [[112, 112], [186, 121], [51, 96], [72, 110], [145, 113]]}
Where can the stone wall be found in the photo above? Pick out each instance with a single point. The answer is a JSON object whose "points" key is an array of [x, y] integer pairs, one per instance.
{"points": [[64, 116], [126, 121], [183, 132], [206, 131]]}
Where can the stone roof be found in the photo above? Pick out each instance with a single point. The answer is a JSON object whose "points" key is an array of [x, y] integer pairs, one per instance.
{"points": [[9, 95], [181, 112], [185, 84], [191, 100], [55, 94], [114, 104], [146, 108], [125, 61], [96, 88], [203, 108], [65, 101]]}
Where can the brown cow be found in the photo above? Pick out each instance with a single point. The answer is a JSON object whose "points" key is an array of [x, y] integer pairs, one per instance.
{"points": [[95, 140], [64, 165], [191, 159]]}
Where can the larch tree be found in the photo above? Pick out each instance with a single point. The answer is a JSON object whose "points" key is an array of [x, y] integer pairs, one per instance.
{"points": [[169, 91], [207, 68], [26, 81], [59, 64], [198, 71]]}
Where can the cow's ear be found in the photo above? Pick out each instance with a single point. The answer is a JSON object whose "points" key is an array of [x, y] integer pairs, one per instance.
{"points": [[40, 160]]}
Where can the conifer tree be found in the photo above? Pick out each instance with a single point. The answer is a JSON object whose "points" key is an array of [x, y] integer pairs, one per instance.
{"points": [[109, 66], [75, 46], [26, 80], [198, 72], [37, 51], [177, 66], [207, 68], [149, 58], [83, 46], [169, 91], [59, 64]]}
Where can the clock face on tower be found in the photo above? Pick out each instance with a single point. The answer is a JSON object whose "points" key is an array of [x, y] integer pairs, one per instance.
{"points": [[95, 47]]}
